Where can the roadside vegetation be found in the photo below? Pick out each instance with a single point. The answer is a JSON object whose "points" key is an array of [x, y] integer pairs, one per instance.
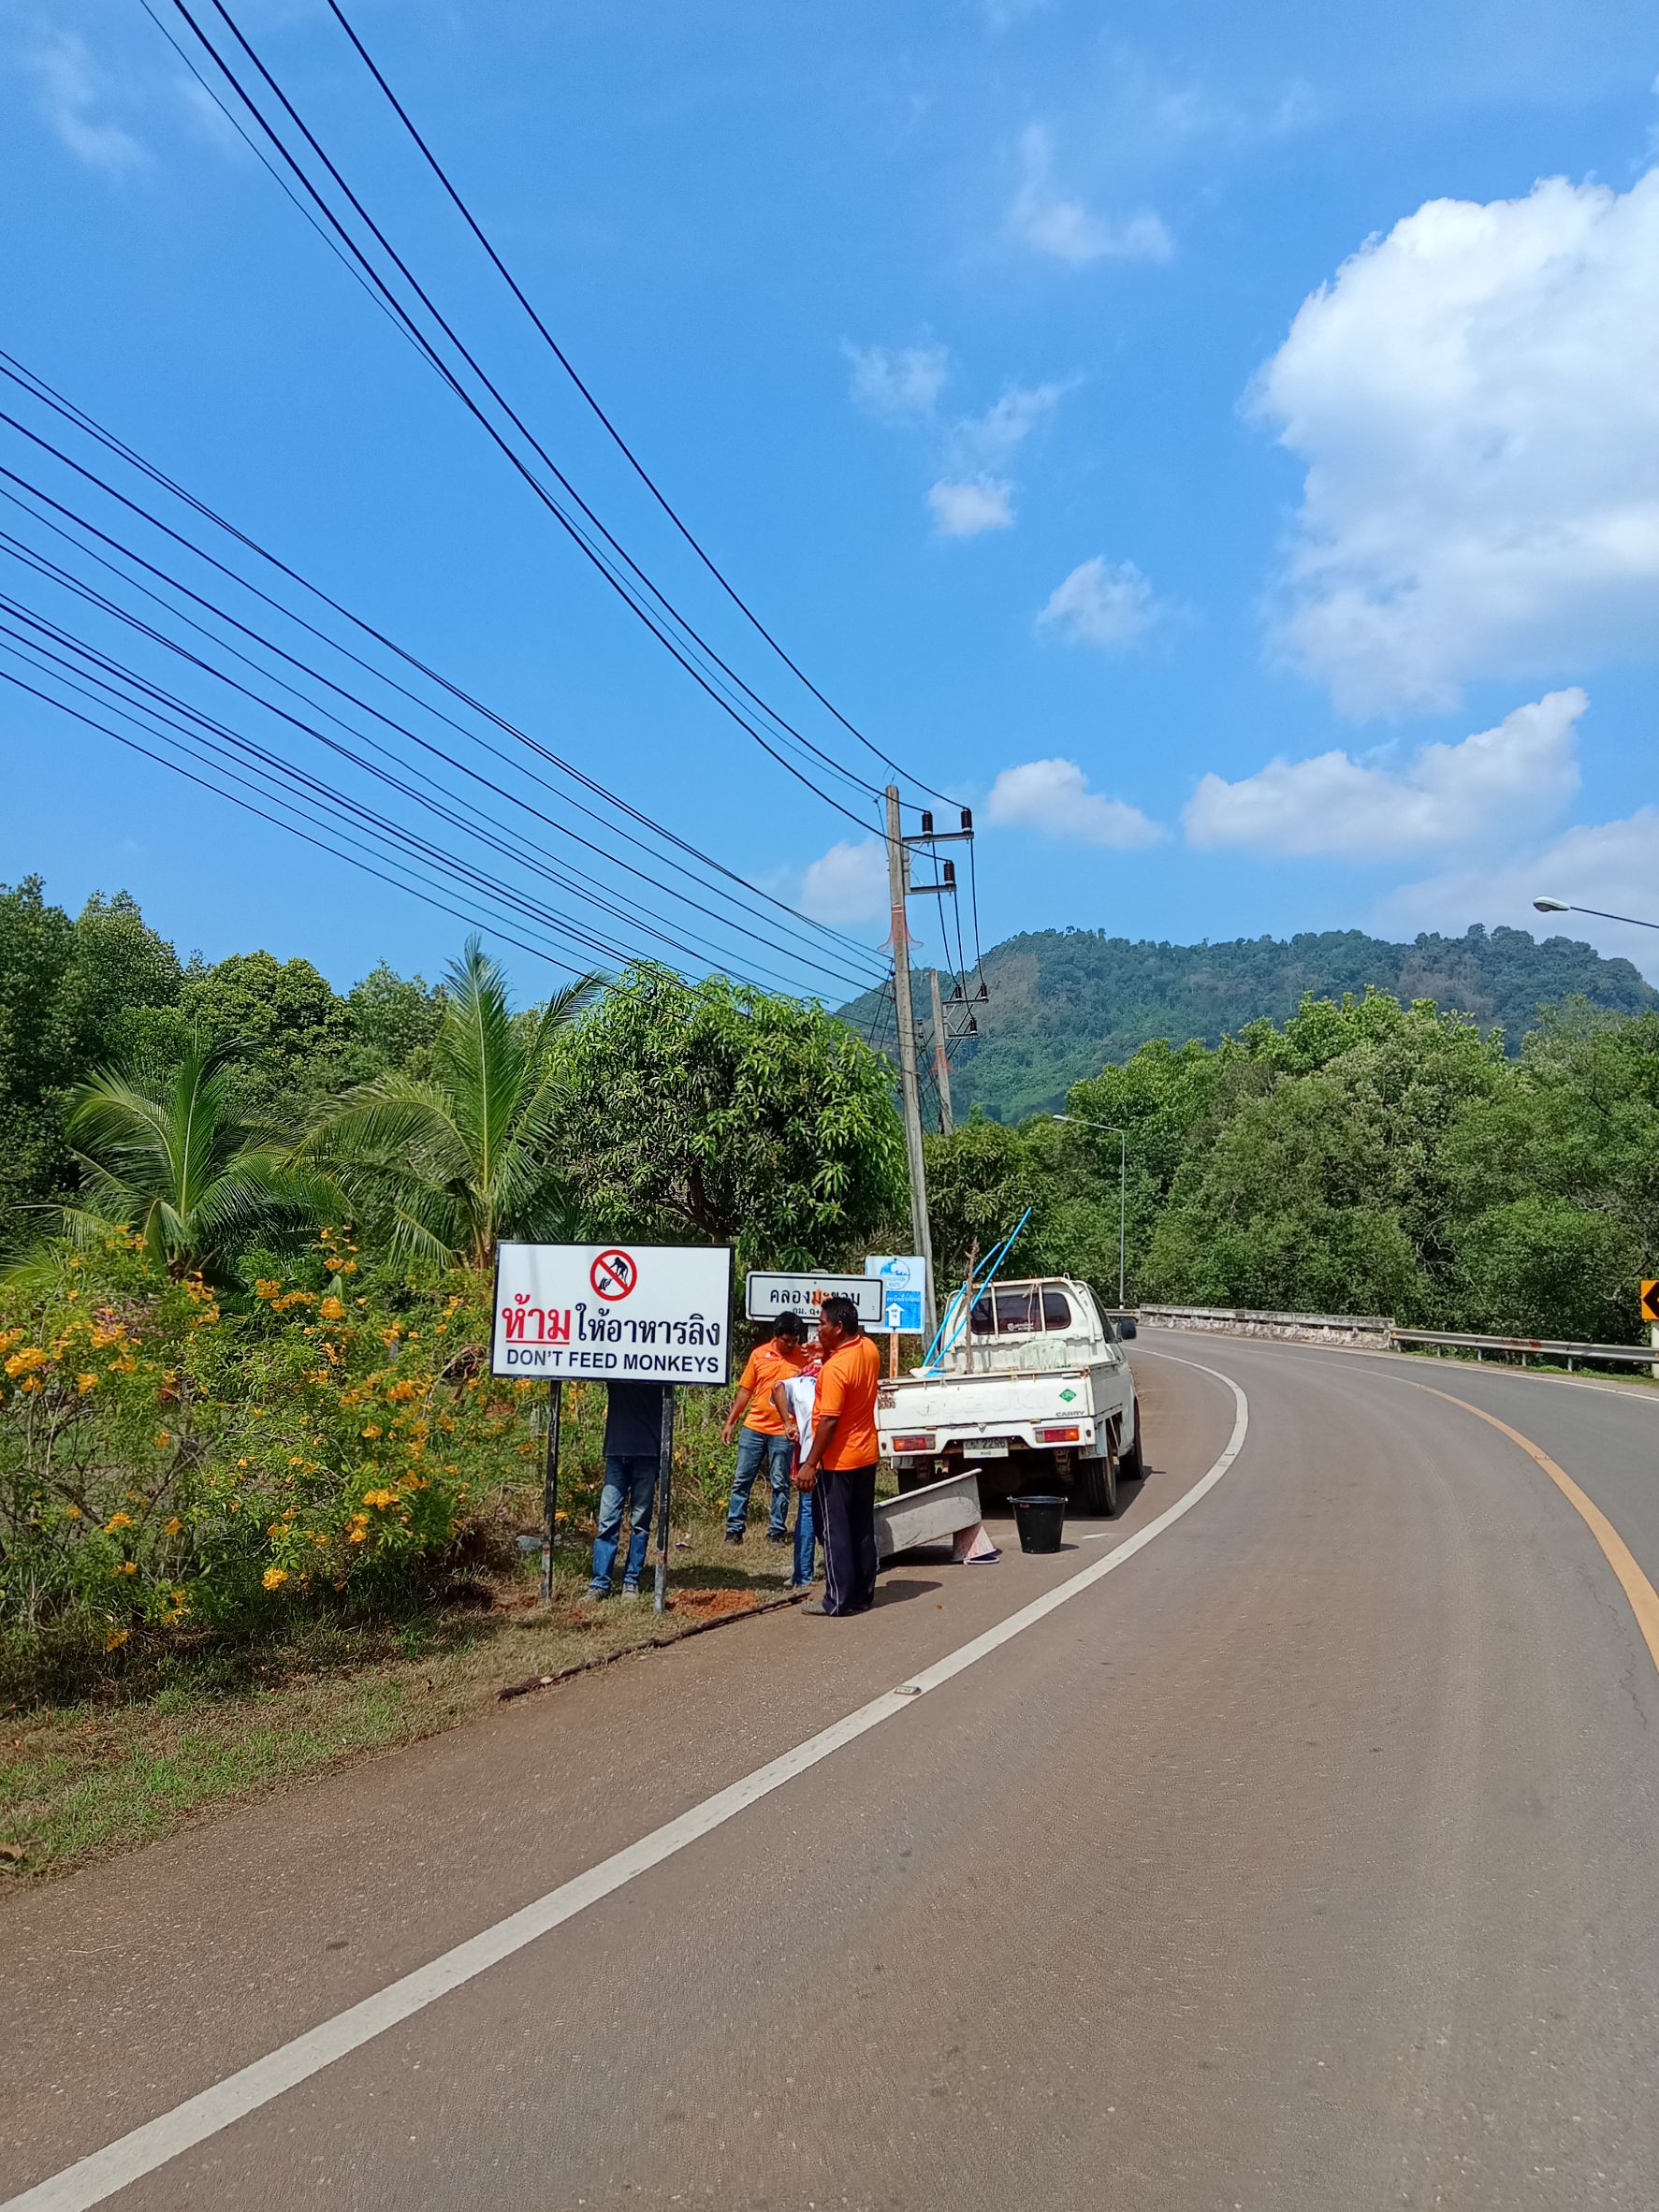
{"points": [[261, 1501], [1361, 1158]]}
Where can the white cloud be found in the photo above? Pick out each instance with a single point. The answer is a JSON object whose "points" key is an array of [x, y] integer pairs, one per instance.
{"points": [[1611, 865], [897, 383], [1102, 606], [985, 440], [848, 884], [1069, 231], [1476, 400], [962, 510], [207, 118], [973, 495], [1054, 796], [1006, 15], [1468, 794], [70, 89]]}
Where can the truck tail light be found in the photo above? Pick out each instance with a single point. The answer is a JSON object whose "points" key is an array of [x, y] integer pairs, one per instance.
{"points": [[1059, 1435], [912, 1444]]}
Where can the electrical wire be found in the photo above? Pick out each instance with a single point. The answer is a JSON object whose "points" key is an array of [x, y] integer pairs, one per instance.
{"points": [[696, 647], [271, 771], [498, 791], [460, 914], [611, 947], [29, 381], [621, 444], [270, 168]]}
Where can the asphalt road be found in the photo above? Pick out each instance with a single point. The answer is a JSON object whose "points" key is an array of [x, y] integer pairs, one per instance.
{"points": [[1303, 1863]]}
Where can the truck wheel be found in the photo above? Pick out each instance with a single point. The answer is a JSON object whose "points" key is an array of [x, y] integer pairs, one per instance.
{"points": [[1132, 1466], [1097, 1483]]}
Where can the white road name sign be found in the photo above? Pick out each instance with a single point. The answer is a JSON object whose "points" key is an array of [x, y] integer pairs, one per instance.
{"points": [[770, 1294], [619, 1312]]}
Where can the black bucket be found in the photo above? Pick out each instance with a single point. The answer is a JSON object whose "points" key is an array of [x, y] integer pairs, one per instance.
{"points": [[1039, 1521]]}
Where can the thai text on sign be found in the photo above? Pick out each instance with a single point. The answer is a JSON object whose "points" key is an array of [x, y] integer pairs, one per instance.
{"points": [[619, 1313], [769, 1292]]}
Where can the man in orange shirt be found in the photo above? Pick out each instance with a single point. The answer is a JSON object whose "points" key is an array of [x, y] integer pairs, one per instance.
{"points": [[841, 1465], [766, 1435]]}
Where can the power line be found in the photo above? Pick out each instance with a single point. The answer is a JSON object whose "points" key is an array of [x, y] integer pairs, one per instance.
{"points": [[609, 947], [271, 768], [498, 791], [696, 646], [442, 906], [36, 387], [621, 444], [271, 170]]}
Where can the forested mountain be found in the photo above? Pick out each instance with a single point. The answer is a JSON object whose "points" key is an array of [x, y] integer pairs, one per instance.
{"points": [[1065, 1003]]}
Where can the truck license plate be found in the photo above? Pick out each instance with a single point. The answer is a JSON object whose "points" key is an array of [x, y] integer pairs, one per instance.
{"points": [[992, 1447]]}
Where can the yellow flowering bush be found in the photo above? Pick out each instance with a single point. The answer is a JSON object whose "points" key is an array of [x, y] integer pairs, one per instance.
{"points": [[173, 1459]]}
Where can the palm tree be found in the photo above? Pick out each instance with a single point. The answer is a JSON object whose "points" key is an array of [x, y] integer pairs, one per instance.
{"points": [[446, 1164], [174, 1164]]}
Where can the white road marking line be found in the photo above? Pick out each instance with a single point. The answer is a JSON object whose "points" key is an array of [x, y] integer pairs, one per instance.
{"points": [[91, 2180]]}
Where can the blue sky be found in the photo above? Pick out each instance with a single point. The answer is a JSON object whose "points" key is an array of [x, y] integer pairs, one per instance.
{"points": [[1222, 445]]}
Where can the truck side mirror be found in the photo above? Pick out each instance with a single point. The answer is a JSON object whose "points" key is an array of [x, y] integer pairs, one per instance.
{"points": [[1125, 1330]]}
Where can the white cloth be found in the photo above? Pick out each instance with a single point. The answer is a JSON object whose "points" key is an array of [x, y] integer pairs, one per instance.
{"points": [[801, 1391]]}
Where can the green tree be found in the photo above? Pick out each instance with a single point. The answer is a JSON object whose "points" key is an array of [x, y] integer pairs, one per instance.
{"points": [[294, 1025], [712, 1110], [393, 1016], [1336, 1187], [176, 1166], [442, 1166], [980, 1180], [74, 995]]}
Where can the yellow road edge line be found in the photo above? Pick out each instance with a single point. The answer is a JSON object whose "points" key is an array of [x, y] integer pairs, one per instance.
{"points": [[1644, 1598]]}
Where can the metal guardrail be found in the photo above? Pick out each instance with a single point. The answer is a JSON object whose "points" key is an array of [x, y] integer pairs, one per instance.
{"points": [[1640, 1355], [1244, 1317], [1249, 1322]]}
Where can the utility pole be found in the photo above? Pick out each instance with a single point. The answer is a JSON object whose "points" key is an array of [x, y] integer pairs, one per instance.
{"points": [[942, 1065], [898, 884]]}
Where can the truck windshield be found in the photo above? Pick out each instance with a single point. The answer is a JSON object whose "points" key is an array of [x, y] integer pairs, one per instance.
{"points": [[1021, 1313]]}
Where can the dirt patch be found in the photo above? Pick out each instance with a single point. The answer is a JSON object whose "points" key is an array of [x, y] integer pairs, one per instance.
{"points": [[713, 1605]]}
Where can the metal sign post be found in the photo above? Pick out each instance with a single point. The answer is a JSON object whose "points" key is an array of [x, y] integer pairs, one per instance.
{"points": [[664, 1484], [550, 1486]]}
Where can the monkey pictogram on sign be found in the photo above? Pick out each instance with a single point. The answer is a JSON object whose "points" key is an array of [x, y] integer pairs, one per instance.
{"points": [[613, 1274]]}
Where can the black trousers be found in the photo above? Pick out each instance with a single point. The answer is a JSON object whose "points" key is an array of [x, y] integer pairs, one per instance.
{"points": [[846, 1511]]}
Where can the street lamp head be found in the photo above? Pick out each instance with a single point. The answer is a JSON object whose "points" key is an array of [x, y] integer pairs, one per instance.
{"points": [[1553, 906]]}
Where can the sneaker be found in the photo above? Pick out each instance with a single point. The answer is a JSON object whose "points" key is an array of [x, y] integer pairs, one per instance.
{"points": [[818, 1607], [778, 1536], [631, 1590], [597, 1590], [734, 1535]]}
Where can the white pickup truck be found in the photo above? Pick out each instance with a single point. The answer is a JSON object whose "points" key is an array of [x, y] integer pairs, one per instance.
{"points": [[1038, 1381]]}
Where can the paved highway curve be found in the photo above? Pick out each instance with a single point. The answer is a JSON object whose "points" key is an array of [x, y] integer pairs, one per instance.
{"points": [[1306, 1863]]}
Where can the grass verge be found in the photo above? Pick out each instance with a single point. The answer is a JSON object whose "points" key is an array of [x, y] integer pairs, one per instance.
{"points": [[80, 1783]]}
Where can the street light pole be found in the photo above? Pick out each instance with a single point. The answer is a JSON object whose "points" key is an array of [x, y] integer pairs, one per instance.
{"points": [[1123, 1180], [1560, 905]]}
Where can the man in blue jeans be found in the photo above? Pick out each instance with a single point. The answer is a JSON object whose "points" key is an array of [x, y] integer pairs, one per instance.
{"points": [[767, 1438], [633, 1456]]}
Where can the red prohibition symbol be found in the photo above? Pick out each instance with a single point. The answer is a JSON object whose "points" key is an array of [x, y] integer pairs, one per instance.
{"points": [[613, 1274]]}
